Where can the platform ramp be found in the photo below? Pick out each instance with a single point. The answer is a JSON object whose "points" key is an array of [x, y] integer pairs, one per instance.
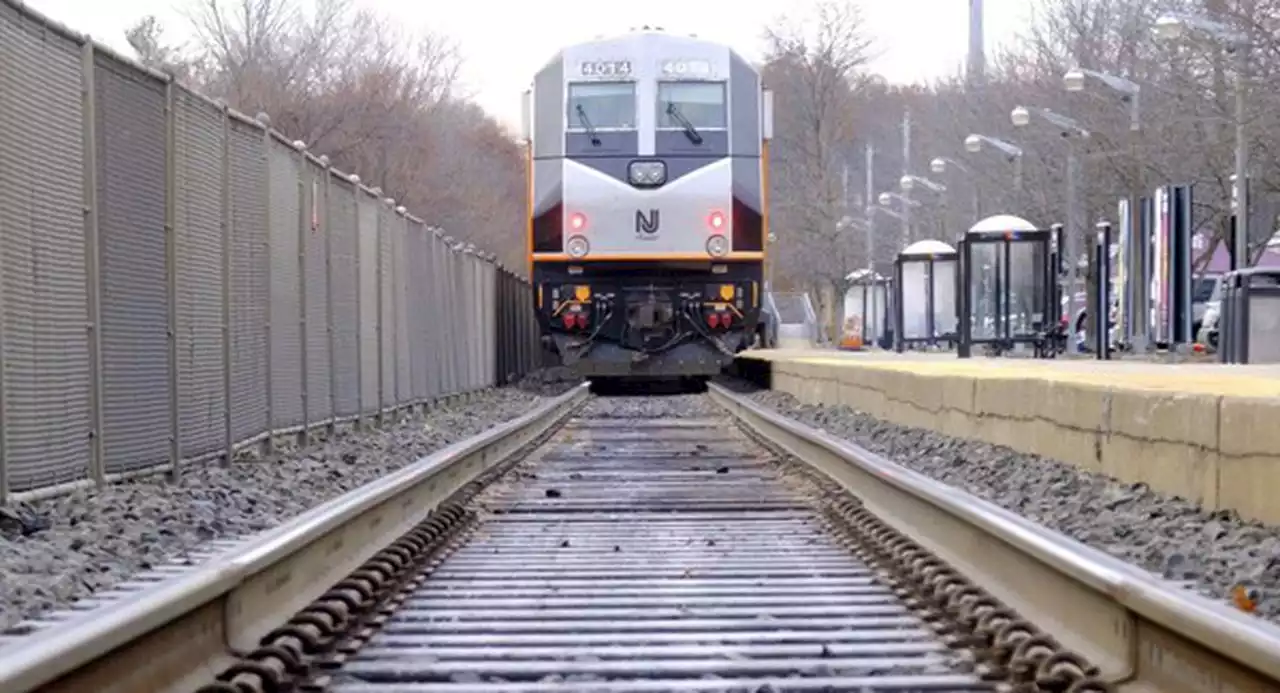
{"points": [[798, 326]]}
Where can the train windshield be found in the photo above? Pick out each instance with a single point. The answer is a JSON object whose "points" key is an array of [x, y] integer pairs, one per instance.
{"points": [[701, 103], [606, 105]]}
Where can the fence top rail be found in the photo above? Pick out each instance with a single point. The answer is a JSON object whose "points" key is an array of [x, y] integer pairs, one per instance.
{"points": [[349, 179], [259, 122], [108, 59], [296, 145], [216, 104]]}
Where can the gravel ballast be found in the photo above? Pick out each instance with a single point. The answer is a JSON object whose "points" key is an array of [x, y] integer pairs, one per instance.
{"points": [[660, 407], [1211, 551], [55, 551]]}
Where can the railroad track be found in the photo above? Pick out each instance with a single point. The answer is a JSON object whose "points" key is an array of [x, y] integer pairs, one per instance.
{"points": [[722, 549]]}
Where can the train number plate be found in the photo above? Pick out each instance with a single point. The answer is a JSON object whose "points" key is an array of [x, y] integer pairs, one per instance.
{"points": [[605, 68]]}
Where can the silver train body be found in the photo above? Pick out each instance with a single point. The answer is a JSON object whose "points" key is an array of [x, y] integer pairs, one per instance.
{"points": [[648, 220]]}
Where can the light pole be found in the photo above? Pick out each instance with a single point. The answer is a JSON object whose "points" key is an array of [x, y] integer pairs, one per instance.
{"points": [[908, 183], [886, 200], [1021, 117], [1172, 27], [1074, 80], [884, 208], [939, 166], [973, 144]]}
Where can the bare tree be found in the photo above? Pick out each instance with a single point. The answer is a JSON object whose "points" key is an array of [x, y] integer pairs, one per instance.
{"points": [[1187, 120], [814, 66], [380, 100]]}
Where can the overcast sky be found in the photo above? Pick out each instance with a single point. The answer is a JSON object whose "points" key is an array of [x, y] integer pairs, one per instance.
{"points": [[505, 41]]}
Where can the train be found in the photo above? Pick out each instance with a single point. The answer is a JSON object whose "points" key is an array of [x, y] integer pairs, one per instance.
{"points": [[647, 204]]}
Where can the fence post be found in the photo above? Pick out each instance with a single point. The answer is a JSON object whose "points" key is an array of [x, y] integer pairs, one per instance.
{"points": [[93, 295], [379, 330], [330, 336], [401, 222], [171, 265], [304, 435], [356, 192], [268, 443], [228, 440]]}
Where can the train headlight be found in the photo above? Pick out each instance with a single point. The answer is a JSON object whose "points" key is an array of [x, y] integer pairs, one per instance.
{"points": [[647, 173], [577, 246], [718, 246]]}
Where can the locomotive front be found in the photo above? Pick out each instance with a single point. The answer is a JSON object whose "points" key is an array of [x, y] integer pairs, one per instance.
{"points": [[647, 204]]}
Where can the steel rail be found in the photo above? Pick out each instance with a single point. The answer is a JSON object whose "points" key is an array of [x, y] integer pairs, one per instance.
{"points": [[1142, 633], [178, 634]]}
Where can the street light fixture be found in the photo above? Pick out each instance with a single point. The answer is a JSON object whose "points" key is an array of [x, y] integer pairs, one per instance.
{"points": [[1069, 128], [886, 198], [939, 166], [1021, 117], [850, 222], [908, 182], [886, 210], [1074, 80], [973, 143], [1174, 26]]}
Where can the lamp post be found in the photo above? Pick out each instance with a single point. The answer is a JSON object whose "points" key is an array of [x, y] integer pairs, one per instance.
{"points": [[1021, 117], [886, 200], [1074, 80], [908, 183], [974, 144], [1172, 27], [939, 166]]}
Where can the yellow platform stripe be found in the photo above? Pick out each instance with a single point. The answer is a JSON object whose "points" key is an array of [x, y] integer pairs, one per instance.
{"points": [[1239, 383]]}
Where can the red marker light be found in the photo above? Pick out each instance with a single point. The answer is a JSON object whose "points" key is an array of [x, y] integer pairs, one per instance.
{"points": [[578, 221], [713, 320], [716, 221], [568, 321]]}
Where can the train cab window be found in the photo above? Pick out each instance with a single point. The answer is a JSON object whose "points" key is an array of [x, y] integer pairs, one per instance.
{"points": [[701, 103], [602, 106]]}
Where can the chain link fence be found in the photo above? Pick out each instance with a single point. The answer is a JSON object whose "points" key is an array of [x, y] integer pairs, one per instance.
{"points": [[178, 280]]}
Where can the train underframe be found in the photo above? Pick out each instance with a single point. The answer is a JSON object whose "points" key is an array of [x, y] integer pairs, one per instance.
{"points": [[647, 320]]}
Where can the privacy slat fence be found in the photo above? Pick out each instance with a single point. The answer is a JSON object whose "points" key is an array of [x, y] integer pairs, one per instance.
{"points": [[178, 280]]}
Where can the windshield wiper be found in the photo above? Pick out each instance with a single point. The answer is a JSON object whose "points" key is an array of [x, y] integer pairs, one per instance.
{"points": [[586, 123], [689, 131]]}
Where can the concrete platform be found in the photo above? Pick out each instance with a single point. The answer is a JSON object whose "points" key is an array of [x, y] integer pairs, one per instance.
{"points": [[1203, 431]]}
